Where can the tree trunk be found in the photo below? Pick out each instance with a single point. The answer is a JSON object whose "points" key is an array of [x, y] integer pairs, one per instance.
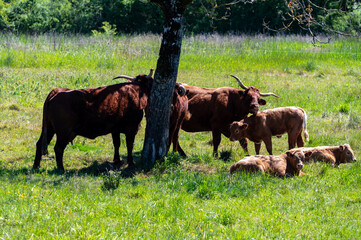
{"points": [[157, 129]]}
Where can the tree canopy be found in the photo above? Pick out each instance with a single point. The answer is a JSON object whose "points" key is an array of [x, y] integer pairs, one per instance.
{"points": [[201, 16]]}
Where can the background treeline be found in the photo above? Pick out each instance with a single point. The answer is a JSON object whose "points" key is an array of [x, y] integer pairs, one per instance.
{"points": [[135, 16]]}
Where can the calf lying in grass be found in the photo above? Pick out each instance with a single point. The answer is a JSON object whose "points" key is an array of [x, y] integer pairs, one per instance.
{"points": [[329, 154], [273, 122], [287, 164]]}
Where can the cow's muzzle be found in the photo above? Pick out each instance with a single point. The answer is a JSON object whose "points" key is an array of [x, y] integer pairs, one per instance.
{"points": [[254, 109], [299, 166]]}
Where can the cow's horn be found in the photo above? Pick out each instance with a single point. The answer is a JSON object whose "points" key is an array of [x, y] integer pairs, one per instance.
{"points": [[126, 77], [239, 82], [151, 73], [268, 94], [182, 90]]}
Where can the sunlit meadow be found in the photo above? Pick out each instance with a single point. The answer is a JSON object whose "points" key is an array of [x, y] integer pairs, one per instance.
{"points": [[191, 198]]}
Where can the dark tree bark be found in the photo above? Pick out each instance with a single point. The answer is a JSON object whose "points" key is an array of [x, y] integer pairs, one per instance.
{"points": [[157, 129]]}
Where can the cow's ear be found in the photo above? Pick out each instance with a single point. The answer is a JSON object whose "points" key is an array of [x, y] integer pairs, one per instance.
{"points": [[342, 147], [308, 154], [243, 126], [289, 154], [262, 102], [143, 103]]}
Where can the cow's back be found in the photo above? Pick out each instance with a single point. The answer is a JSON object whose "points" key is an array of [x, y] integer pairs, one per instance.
{"points": [[247, 164], [283, 119], [329, 154], [212, 108], [262, 163], [97, 111]]}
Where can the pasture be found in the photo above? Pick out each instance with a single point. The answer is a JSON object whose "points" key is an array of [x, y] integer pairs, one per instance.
{"points": [[191, 198]]}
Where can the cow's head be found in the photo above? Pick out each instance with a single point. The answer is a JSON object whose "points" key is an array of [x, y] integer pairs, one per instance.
{"points": [[253, 96], [296, 158], [145, 81], [347, 154], [238, 130]]}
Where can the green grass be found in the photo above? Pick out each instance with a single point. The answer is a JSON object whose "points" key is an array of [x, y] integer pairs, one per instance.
{"points": [[192, 198]]}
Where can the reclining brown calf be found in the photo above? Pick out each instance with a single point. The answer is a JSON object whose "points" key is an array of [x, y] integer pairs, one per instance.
{"points": [[287, 164], [273, 122], [329, 154]]}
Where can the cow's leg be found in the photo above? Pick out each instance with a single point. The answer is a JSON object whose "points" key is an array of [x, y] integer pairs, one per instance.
{"points": [[38, 152], [300, 173], [59, 151], [177, 148], [244, 145], [330, 158], [42, 146], [180, 150], [292, 140], [216, 141], [257, 147], [300, 142], [130, 144], [175, 139], [261, 168], [268, 143], [325, 157], [116, 144]]}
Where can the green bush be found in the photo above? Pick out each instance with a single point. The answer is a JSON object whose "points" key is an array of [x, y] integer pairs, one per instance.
{"points": [[346, 22], [136, 16]]}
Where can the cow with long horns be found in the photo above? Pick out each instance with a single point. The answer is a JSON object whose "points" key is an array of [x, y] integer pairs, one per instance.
{"points": [[94, 112], [214, 109]]}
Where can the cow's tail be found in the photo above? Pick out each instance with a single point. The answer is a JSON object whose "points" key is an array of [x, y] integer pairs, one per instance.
{"points": [[305, 133], [44, 130]]}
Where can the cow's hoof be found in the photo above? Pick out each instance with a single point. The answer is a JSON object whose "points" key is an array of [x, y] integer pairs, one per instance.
{"points": [[118, 164]]}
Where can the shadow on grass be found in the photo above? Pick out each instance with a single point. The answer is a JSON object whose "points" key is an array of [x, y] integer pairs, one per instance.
{"points": [[98, 167]]}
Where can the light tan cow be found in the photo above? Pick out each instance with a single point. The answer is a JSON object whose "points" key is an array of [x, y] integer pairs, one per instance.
{"points": [[329, 154], [272, 122], [287, 164]]}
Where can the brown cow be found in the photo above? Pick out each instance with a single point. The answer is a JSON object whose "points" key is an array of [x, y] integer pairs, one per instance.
{"points": [[179, 112], [94, 112], [273, 122], [287, 164], [334, 155], [214, 109]]}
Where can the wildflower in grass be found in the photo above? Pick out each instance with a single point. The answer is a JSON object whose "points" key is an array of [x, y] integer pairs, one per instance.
{"points": [[21, 196]]}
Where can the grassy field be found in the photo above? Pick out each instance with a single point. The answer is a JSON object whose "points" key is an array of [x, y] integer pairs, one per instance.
{"points": [[192, 198]]}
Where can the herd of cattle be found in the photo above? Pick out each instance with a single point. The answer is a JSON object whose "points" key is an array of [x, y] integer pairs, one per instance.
{"points": [[119, 108]]}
